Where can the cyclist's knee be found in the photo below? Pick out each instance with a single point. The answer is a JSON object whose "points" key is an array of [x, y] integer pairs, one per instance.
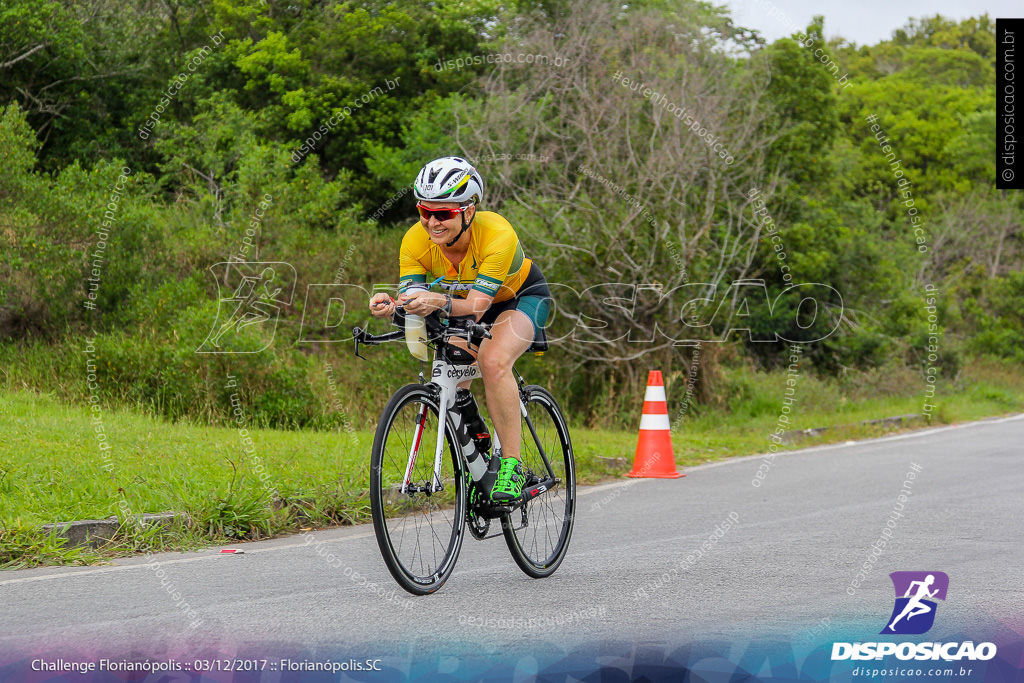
{"points": [[494, 361]]}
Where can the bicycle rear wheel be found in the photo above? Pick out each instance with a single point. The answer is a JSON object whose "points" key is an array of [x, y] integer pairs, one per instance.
{"points": [[538, 534], [420, 530]]}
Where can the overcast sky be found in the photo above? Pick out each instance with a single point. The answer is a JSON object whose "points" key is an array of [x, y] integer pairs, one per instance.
{"points": [[865, 22]]}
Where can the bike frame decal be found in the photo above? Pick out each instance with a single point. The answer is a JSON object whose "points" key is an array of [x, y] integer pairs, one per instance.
{"points": [[420, 426], [448, 377]]}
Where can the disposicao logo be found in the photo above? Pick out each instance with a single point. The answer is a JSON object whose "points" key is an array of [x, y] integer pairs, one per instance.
{"points": [[914, 614]]}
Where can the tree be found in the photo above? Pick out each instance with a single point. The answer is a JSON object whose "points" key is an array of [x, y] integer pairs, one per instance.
{"points": [[81, 71], [976, 34], [803, 104], [366, 67], [627, 157]]}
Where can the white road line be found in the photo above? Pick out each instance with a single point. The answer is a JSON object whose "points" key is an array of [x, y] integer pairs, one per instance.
{"points": [[847, 444]]}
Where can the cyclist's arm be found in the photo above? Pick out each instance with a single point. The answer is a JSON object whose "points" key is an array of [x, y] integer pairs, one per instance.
{"points": [[413, 268], [475, 304]]}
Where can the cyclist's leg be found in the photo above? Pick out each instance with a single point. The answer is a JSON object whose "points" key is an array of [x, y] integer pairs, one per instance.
{"points": [[511, 334]]}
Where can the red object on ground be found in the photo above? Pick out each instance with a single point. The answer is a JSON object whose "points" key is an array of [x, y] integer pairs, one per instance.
{"points": [[654, 456]]}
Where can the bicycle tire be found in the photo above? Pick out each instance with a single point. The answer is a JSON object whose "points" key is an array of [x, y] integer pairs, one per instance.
{"points": [[419, 533], [539, 547]]}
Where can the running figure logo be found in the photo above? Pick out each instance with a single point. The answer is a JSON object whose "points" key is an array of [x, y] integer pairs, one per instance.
{"points": [[914, 612], [258, 291]]}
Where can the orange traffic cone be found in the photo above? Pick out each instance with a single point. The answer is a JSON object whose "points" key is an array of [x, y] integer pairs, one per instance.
{"points": [[654, 457]]}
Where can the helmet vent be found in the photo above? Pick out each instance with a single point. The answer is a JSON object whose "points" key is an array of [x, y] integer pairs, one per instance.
{"points": [[454, 172]]}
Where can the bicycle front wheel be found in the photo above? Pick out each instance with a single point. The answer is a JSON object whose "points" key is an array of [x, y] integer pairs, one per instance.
{"points": [[418, 517], [538, 534]]}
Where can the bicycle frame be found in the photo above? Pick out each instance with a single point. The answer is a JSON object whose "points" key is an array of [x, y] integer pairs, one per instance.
{"points": [[420, 534], [447, 376]]}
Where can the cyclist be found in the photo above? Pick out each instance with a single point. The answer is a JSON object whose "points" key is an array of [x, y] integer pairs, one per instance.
{"points": [[486, 275]]}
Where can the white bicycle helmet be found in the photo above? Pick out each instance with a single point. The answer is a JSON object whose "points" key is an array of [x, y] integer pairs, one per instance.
{"points": [[449, 179]]}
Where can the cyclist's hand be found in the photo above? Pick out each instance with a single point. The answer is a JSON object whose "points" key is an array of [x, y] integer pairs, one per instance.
{"points": [[381, 305], [422, 302]]}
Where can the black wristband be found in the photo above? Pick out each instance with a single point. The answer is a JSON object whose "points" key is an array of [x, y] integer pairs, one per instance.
{"points": [[447, 308]]}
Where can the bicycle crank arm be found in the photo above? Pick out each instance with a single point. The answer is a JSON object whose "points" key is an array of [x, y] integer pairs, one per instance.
{"points": [[531, 492], [493, 510]]}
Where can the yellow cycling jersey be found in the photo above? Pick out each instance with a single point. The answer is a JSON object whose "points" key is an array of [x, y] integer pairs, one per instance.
{"points": [[495, 263]]}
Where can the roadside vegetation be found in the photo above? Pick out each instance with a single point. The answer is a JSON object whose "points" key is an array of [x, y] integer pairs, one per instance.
{"points": [[52, 470]]}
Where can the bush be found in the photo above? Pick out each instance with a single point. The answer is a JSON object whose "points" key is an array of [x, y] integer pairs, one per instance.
{"points": [[78, 241], [1000, 318]]}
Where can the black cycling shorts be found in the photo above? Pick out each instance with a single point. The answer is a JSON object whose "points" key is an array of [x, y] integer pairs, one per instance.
{"points": [[533, 299]]}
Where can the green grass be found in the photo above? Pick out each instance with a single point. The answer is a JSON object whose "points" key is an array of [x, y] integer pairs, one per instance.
{"points": [[52, 468]]}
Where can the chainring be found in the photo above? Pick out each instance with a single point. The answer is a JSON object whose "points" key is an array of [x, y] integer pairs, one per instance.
{"points": [[478, 525]]}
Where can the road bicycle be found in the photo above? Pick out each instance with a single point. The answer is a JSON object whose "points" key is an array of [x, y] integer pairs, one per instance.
{"points": [[424, 494]]}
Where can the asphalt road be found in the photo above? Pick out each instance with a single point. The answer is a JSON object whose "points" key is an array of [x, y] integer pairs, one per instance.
{"points": [[784, 569]]}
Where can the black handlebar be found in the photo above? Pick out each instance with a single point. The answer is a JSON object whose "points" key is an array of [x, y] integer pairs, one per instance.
{"points": [[437, 330], [478, 330], [361, 336]]}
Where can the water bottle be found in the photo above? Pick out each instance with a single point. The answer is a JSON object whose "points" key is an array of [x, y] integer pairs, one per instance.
{"points": [[475, 459], [466, 404], [416, 336]]}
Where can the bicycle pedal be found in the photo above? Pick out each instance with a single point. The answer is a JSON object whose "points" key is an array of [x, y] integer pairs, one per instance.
{"points": [[494, 510]]}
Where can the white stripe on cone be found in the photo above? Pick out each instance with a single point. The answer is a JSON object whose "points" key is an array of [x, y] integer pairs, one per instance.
{"points": [[655, 394], [655, 422]]}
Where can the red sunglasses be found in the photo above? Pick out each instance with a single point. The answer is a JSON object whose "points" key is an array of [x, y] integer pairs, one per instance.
{"points": [[440, 214]]}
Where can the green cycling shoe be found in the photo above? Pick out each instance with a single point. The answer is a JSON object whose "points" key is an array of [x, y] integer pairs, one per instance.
{"points": [[509, 484]]}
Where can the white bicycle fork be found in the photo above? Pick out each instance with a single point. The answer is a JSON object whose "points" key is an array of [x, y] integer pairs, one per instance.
{"points": [[448, 377]]}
